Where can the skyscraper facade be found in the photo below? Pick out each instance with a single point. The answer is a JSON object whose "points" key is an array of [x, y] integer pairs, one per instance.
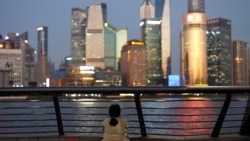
{"points": [[219, 52], [43, 67], [109, 46], [28, 57], [240, 63], [78, 39], [121, 39], [43, 71], [162, 10], [151, 36], [29, 63], [194, 42], [97, 14], [133, 63], [147, 10], [18, 41], [42, 40], [11, 68]]}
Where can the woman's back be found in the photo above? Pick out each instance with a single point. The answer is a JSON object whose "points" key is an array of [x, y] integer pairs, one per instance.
{"points": [[120, 129], [115, 127]]}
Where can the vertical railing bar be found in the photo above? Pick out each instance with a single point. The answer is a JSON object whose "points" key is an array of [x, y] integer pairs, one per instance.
{"points": [[221, 117], [58, 114], [245, 125], [140, 114]]}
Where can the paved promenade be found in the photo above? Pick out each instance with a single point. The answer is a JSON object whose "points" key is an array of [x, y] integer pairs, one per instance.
{"points": [[233, 137]]}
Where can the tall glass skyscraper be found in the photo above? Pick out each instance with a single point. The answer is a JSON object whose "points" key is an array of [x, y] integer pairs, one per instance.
{"points": [[42, 40], [147, 10], [43, 67], [240, 63], [219, 52], [78, 39], [110, 46], [97, 15], [194, 42], [151, 36], [121, 39]]}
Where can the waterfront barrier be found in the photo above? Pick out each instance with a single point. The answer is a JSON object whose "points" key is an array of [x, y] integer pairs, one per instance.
{"points": [[150, 111]]}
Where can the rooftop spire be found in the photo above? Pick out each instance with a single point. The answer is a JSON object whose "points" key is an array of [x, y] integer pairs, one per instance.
{"points": [[196, 6], [147, 9]]}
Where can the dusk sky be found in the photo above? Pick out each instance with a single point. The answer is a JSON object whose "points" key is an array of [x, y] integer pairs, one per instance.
{"points": [[26, 15]]}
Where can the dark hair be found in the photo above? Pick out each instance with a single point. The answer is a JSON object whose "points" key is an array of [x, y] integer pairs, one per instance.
{"points": [[114, 111]]}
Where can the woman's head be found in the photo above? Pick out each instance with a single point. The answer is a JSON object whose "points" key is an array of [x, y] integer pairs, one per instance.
{"points": [[114, 111]]}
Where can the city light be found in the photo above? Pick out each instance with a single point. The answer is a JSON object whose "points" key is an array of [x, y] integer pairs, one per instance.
{"points": [[153, 22], [39, 28]]}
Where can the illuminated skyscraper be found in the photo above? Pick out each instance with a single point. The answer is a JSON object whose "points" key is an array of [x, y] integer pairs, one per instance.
{"points": [[23, 73], [43, 67], [97, 14], [151, 36], [42, 40], [219, 52], [109, 46], [240, 63], [12, 61], [147, 10], [29, 57], [133, 63], [194, 42], [121, 39], [78, 29]]}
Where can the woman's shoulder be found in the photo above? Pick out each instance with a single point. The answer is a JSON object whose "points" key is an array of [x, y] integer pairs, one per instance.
{"points": [[123, 120], [106, 120]]}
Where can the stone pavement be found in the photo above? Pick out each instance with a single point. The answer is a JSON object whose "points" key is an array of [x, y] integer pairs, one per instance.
{"points": [[231, 137]]}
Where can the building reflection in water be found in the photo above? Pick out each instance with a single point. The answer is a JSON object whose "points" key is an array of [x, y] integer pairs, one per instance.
{"points": [[181, 116]]}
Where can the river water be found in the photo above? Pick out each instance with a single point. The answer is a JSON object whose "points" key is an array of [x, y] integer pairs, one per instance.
{"points": [[174, 115]]}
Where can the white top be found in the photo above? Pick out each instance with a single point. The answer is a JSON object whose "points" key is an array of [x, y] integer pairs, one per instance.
{"points": [[115, 133]]}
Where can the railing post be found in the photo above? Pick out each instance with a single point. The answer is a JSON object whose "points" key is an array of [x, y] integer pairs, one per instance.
{"points": [[221, 117], [140, 114], [245, 125], [58, 114]]}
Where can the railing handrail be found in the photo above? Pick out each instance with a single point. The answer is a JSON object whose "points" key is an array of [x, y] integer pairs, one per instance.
{"points": [[138, 90]]}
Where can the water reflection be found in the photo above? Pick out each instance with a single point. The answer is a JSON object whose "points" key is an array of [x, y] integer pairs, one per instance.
{"points": [[181, 116], [200, 117]]}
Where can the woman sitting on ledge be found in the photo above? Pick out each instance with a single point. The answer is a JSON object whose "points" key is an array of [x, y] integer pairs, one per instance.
{"points": [[115, 127]]}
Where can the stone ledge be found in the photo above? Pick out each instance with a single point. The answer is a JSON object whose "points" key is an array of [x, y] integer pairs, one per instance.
{"points": [[231, 137]]}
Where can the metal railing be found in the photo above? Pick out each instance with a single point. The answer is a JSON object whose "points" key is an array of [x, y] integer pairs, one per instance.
{"points": [[165, 111]]}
